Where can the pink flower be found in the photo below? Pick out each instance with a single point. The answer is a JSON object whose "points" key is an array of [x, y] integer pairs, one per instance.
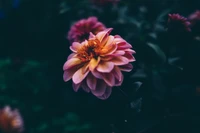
{"points": [[80, 30], [195, 24], [96, 64], [177, 22], [195, 17], [10, 120]]}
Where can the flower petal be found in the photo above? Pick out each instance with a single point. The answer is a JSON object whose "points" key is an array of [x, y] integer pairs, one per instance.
{"points": [[119, 82], [109, 49], [80, 74], [91, 82], [75, 46], [93, 63], [103, 35], [130, 51], [109, 41], [107, 58], [120, 60], [130, 57], [123, 45], [126, 68], [85, 87], [105, 67], [68, 74], [118, 53], [91, 35], [117, 73], [106, 94], [109, 78], [71, 63], [76, 86], [97, 74], [100, 88], [72, 55]]}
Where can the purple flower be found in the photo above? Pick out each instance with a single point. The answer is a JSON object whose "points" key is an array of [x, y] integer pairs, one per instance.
{"points": [[81, 29], [195, 17], [178, 23], [195, 23]]}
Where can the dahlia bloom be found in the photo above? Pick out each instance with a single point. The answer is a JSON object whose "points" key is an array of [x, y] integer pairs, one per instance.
{"points": [[96, 64], [80, 31], [10, 120], [177, 22]]}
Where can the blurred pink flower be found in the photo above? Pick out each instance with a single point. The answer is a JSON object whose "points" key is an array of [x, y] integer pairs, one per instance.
{"points": [[195, 24], [104, 2], [96, 64], [81, 29], [10, 120], [194, 17], [177, 22]]}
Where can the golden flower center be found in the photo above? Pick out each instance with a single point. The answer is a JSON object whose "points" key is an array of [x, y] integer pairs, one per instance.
{"points": [[89, 50]]}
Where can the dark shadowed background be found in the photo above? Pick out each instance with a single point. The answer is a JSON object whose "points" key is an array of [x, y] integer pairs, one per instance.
{"points": [[160, 95]]}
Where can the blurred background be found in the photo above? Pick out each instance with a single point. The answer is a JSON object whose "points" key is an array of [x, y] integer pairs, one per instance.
{"points": [[160, 95]]}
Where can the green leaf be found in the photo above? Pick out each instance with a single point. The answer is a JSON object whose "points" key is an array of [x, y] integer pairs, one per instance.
{"points": [[42, 127], [5, 62], [158, 55], [37, 108], [86, 126], [72, 118], [71, 128]]}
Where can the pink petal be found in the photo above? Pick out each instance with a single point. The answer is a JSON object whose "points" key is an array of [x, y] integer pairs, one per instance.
{"points": [[68, 74], [122, 44], [76, 86], [109, 41], [120, 60], [117, 73], [118, 38], [130, 57], [103, 35], [119, 41], [106, 94], [84, 43], [92, 19], [91, 35], [118, 53], [85, 87], [97, 74], [107, 58], [118, 76], [109, 49], [105, 67], [72, 55], [119, 82], [130, 51], [100, 88], [126, 68], [91, 82], [71, 63], [75, 46], [80, 74], [109, 78], [93, 63]]}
